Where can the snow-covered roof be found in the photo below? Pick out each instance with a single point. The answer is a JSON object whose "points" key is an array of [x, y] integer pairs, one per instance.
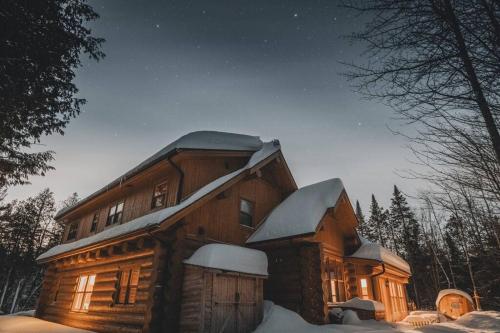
{"points": [[363, 304], [445, 292], [230, 258], [373, 251], [204, 140], [155, 219], [301, 212]]}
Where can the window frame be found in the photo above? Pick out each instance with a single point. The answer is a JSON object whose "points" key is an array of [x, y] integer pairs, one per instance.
{"points": [[163, 195], [94, 222], [87, 290], [241, 212], [112, 217], [70, 225], [131, 287], [336, 281], [362, 295]]}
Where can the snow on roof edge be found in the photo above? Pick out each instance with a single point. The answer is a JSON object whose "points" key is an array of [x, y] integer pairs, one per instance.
{"points": [[212, 141], [305, 207], [373, 251], [154, 219], [230, 258]]}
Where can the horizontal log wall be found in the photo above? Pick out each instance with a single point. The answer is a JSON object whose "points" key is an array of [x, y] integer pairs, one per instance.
{"points": [[103, 315]]}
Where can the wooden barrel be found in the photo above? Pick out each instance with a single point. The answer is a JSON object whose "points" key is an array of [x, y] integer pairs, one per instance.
{"points": [[454, 303]]}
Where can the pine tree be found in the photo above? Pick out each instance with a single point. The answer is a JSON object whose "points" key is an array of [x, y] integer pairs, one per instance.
{"points": [[361, 219], [375, 229]]}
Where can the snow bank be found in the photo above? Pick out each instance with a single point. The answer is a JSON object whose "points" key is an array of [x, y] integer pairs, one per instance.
{"points": [[472, 322], [27, 313], [373, 251], [23, 324], [209, 140], [350, 318], [230, 258], [153, 220], [445, 292], [301, 212], [363, 304]]}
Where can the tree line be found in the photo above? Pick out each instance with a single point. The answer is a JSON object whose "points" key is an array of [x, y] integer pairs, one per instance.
{"points": [[27, 229], [446, 247]]}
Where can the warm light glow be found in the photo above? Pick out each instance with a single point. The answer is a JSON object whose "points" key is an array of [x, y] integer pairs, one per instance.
{"points": [[83, 292], [364, 289]]}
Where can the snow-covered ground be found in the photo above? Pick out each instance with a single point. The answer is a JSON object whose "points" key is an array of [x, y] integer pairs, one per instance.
{"points": [[280, 320], [23, 323]]}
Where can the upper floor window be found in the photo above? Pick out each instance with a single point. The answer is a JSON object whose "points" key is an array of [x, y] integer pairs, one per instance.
{"points": [[95, 221], [128, 282], [83, 292], [159, 195], [115, 214], [246, 212], [72, 231]]}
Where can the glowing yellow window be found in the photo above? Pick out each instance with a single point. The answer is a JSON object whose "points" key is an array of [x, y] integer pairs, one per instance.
{"points": [[364, 289], [81, 299]]}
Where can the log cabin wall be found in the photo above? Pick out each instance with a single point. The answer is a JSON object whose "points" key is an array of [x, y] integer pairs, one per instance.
{"points": [[104, 313], [218, 220], [295, 280]]}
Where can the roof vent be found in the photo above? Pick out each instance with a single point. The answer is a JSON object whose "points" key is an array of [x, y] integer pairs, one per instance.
{"points": [[276, 142]]}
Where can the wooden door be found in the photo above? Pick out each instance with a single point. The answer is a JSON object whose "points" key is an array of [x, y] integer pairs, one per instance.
{"points": [[456, 306], [234, 304]]}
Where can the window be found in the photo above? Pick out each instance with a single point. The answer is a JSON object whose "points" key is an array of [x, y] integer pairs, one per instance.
{"points": [[115, 214], [336, 278], [72, 231], [246, 212], [364, 288], [159, 195], [128, 280], [397, 296], [84, 286], [95, 221]]}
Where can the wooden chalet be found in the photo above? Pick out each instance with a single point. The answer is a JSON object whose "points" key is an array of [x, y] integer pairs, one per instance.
{"points": [[120, 266]]}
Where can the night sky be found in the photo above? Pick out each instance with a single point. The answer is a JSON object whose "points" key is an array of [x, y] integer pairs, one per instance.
{"points": [[267, 68]]}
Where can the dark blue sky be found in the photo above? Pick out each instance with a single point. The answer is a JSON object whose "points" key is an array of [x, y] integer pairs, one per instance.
{"points": [[267, 68]]}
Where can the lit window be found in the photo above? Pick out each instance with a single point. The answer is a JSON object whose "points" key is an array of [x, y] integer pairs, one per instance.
{"points": [[364, 288], [246, 213], [95, 221], [159, 195], [73, 230], [115, 214], [81, 300], [128, 280], [336, 285]]}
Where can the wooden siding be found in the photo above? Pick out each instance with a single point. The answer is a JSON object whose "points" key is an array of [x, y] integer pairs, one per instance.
{"points": [[103, 315], [218, 220]]}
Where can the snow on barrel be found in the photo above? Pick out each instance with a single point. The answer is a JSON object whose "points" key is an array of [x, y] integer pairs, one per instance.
{"points": [[454, 303], [223, 289]]}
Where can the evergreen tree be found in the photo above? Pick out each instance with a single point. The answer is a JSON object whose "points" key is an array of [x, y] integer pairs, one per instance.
{"points": [[402, 223], [375, 229], [361, 219]]}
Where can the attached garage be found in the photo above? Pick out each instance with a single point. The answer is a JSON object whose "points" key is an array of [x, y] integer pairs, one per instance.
{"points": [[223, 289], [454, 303]]}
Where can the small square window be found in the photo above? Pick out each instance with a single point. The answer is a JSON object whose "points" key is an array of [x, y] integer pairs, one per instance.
{"points": [[115, 214], [159, 195], [73, 231], [246, 212], [95, 221]]}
